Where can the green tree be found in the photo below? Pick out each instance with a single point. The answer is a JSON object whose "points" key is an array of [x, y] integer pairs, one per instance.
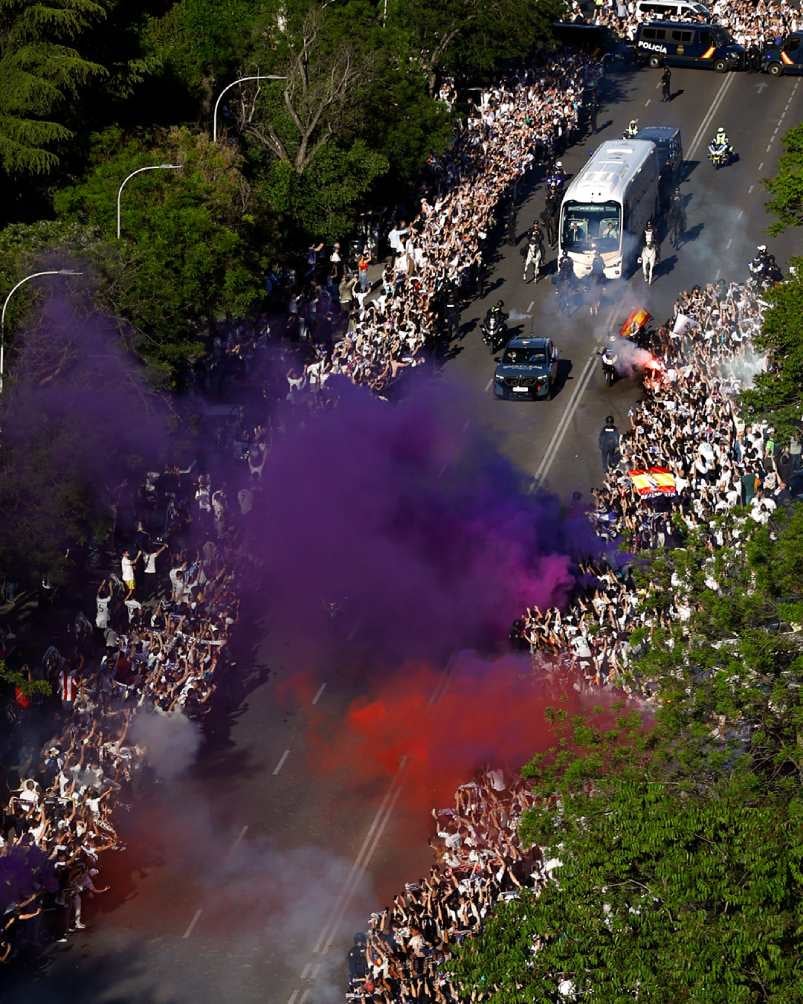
{"points": [[679, 840], [466, 37], [41, 69], [777, 395], [185, 259], [786, 188]]}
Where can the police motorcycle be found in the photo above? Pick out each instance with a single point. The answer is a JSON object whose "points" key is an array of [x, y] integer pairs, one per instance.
{"points": [[632, 130], [494, 328], [764, 270], [720, 151], [608, 358], [556, 181], [564, 281]]}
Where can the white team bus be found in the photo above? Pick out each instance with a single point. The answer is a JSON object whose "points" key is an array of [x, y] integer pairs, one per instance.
{"points": [[607, 205]]}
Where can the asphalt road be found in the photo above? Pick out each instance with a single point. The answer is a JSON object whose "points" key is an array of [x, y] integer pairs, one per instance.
{"points": [[245, 880]]}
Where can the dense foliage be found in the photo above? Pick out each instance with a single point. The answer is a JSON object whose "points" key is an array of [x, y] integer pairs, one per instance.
{"points": [[92, 89], [679, 841]]}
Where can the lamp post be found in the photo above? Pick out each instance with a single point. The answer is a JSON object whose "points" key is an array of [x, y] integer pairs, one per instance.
{"points": [[139, 170], [240, 80], [33, 275]]}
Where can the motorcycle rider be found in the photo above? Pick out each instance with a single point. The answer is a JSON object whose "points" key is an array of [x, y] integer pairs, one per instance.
{"points": [[494, 325], [609, 357], [609, 443], [556, 179], [758, 266], [720, 149], [632, 129], [676, 218], [534, 253], [650, 253]]}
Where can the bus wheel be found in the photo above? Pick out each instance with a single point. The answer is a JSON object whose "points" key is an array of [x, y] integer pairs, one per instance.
{"points": [[775, 69], [655, 62], [720, 66]]}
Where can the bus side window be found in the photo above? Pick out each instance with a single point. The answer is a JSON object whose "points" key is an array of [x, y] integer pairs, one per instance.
{"points": [[705, 37]]}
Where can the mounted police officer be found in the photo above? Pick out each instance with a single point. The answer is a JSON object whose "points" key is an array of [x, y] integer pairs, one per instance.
{"points": [[534, 252]]}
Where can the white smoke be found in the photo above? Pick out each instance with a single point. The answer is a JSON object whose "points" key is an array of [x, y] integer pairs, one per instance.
{"points": [[171, 742], [630, 359], [744, 367]]}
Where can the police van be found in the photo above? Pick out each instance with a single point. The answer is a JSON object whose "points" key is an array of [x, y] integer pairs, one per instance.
{"points": [[785, 58], [679, 43]]}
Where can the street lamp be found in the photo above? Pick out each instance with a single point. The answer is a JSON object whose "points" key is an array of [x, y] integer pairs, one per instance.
{"points": [[139, 170], [33, 275], [240, 80]]}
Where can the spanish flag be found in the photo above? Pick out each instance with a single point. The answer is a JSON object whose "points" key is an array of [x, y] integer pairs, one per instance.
{"points": [[653, 482]]}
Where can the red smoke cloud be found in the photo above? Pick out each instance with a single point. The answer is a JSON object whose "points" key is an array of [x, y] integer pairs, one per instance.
{"points": [[447, 723]]}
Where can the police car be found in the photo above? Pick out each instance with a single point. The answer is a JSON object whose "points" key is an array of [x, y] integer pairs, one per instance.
{"points": [[678, 43], [528, 369], [785, 58]]}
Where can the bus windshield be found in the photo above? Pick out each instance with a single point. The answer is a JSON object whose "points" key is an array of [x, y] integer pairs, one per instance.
{"points": [[592, 223]]}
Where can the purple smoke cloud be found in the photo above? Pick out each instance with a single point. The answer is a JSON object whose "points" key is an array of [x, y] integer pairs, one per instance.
{"points": [[407, 518]]}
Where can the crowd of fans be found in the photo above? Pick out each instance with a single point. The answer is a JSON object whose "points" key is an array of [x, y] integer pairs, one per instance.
{"points": [[688, 423], [750, 22], [479, 861], [513, 127], [162, 621]]}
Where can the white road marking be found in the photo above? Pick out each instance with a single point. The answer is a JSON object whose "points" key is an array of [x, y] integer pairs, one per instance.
{"points": [[717, 101], [239, 839], [488, 385], [280, 764], [375, 831], [647, 102], [530, 306], [315, 970], [568, 414], [293, 997], [306, 971], [768, 148], [761, 165], [305, 996], [750, 189], [740, 213], [193, 922], [719, 273], [319, 695], [730, 241]]}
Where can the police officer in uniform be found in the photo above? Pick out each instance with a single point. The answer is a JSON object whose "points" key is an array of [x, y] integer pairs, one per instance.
{"points": [[666, 85], [451, 307], [550, 219], [609, 443]]}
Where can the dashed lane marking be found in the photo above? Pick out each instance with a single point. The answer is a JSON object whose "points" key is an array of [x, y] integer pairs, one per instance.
{"points": [[280, 764], [193, 922], [319, 695], [750, 189]]}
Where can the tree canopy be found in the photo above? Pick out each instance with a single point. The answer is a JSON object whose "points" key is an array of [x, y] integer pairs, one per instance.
{"points": [[678, 838]]}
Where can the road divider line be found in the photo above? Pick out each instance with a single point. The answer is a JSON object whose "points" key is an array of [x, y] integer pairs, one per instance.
{"points": [[371, 851], [195, 918], [571, 406], [750, 189], [761, 166], [362, 858], [717, 101], [488, 385], [293, 997], [306, 971], [319, 695], [280, 764], [648, 102]]}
